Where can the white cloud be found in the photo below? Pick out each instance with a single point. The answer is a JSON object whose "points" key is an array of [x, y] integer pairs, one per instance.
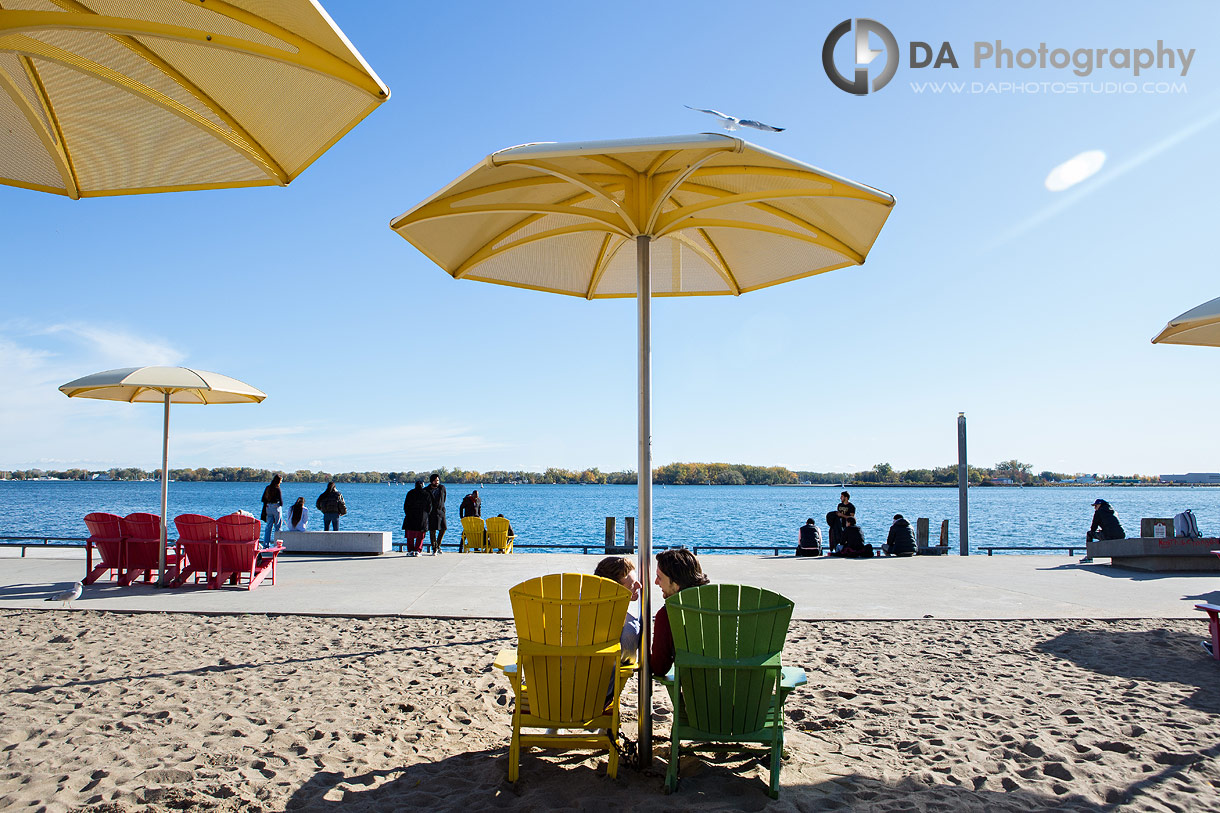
{"points": [[1074, 170], [117, 347]]}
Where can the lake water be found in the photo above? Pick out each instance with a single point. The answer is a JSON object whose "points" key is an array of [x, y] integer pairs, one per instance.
{"points": [[706, 516]]}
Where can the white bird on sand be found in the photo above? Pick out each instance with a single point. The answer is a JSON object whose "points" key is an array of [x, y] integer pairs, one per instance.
{"points": [[68, 596], [732, 122]]}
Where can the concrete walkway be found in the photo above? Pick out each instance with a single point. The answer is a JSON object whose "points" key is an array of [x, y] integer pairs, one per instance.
{"points": [[476, 586]]}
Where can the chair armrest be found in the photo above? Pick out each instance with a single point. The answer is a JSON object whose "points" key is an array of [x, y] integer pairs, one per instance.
{"points": [[506, 661], [791, 677]]}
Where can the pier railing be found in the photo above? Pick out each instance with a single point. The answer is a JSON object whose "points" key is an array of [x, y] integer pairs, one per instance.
{"points": [[24, 542]]}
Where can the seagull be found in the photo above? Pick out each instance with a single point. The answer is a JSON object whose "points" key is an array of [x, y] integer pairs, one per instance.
{"points": [[732, 122], [68, 596]]}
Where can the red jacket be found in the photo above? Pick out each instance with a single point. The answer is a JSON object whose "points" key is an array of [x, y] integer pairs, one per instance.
{"points": [[661, 658]]}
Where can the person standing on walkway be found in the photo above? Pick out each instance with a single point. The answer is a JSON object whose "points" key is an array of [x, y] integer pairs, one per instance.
{"points": [[836, 520], [436, 516], [416, 508], [331, 504], [273, 510]]}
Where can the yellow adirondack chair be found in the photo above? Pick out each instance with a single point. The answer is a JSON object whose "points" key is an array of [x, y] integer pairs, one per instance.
{"points": [[498, 537], [567, 671], [473, 536]]}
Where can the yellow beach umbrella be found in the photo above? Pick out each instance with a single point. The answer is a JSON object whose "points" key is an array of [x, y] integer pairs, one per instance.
{"points": [[102, 97], [1199, 326], [163, 385], [677, 216]]}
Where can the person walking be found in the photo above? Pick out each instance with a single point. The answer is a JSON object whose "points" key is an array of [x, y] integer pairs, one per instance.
{"points": [[436, 515], [273, 510], [331, 504], [416, 508]]}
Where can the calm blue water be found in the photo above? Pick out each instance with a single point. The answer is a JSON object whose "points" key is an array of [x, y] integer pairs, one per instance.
{"points": [[706, 516]]}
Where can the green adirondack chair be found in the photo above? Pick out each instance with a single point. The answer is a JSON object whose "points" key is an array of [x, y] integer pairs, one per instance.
{"points": [[727, 685]]}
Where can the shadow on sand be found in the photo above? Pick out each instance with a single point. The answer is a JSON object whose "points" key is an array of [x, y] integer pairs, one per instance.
{"points": [[478, 781], [1155, 656]]}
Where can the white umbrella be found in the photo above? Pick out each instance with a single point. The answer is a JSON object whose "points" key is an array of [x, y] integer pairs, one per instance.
{"points": [[1199, 326], [153, 385], [725, 216]]}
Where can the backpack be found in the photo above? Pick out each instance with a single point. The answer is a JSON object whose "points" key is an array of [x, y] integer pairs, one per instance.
{"points": [[1184, 525]]}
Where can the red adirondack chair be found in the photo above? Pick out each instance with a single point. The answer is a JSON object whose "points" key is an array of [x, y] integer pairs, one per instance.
{"points": [[106, 535], [142, 544], [197, 537], [240, 553]]}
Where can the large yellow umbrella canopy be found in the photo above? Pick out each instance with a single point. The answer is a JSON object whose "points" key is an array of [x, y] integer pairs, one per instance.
{"points": [[105, 97], [676, 216], [163, 385], [1199, 326]]}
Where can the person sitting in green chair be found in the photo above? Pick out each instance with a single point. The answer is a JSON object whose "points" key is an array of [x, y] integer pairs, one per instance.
{"points": [[677, 570]]}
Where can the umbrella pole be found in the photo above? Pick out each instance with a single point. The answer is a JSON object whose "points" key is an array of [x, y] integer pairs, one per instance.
{"points": [[644, 480], [164, 489]]}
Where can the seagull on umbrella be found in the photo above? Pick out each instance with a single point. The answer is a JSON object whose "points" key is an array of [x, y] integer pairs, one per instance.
{"points": [[68, 596], [732, 122]]}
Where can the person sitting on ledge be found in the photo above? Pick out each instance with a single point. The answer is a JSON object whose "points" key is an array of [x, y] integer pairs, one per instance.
{"points": [[298, 517], [1105, 523], [810, 541], [901, 539], [853, 546]]}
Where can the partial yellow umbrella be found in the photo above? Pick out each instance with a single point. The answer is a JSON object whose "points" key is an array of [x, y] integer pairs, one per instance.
{"points": [[1199, 326], [675, 216], [104, 97], [163, 385]]}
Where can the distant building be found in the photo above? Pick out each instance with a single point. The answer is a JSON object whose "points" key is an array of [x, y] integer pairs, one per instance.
{"points": [[1196, 477], [1084, 478]]}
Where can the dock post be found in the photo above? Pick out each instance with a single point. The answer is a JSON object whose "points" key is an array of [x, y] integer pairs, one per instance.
{"points": [[611, 542], [629, 531], [921, 532], [963, 507]]}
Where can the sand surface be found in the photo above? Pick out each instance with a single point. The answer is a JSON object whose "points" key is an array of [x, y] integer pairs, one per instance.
{"points": [[121, 712]]}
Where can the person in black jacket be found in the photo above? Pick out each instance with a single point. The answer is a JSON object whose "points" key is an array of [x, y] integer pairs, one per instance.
{"points": [[810, 541], [436, 516], [1105, 523], [330, 503], [416, 508], [901, 539]]}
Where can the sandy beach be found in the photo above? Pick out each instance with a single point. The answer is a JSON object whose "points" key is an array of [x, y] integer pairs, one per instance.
{"points": [[159, 712]]}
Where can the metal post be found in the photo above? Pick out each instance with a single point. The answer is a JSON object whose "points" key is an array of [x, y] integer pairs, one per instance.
{"points": [[963, 507], [643, 295], [164, 490]]}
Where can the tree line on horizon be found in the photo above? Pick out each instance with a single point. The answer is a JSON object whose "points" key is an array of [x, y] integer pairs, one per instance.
{"points": [[732, 474]]}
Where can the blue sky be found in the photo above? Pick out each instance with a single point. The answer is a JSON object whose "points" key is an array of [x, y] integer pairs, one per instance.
{"points": [[1028, 309]]}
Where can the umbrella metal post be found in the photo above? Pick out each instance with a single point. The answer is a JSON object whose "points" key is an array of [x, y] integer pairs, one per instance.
{"points": [[644, 480], [164, 490], [963, 504]]}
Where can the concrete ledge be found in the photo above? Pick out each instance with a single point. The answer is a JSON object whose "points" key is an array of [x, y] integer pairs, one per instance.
{"points": [[1150, 553], [371, 543]]}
